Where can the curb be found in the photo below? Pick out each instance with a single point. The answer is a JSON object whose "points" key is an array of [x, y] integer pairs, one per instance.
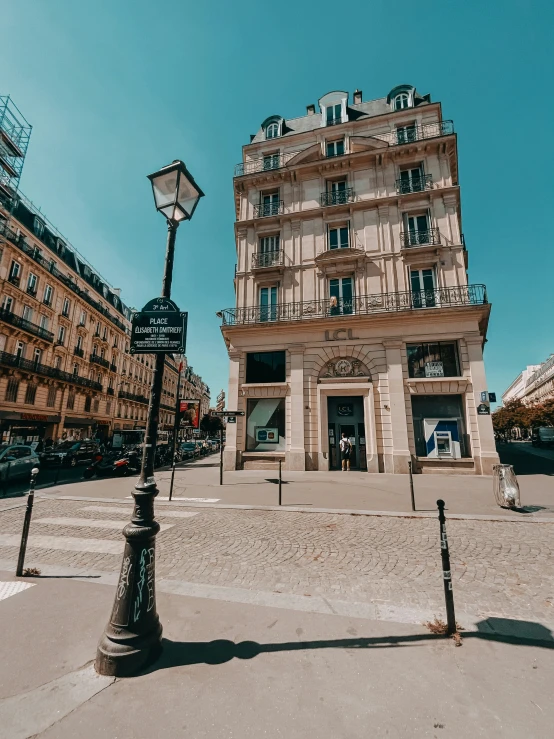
{"points": [[301, 509]]}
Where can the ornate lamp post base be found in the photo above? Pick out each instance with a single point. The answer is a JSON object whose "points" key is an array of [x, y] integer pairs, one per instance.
{"points": [[132, 639]]}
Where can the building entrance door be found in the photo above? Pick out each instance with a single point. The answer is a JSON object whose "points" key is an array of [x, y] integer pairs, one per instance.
{"points": [[346, 414]]}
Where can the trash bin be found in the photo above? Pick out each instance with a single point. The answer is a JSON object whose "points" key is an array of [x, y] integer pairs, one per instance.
{"points": [[506, 488]]}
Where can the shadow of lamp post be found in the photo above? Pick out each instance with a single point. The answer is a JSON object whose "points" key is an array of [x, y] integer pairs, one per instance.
{"points": [[132, 638]]}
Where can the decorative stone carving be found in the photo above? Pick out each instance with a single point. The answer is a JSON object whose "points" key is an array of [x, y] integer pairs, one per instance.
{"points": [[344, 367]]}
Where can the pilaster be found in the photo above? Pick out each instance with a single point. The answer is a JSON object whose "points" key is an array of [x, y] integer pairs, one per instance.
{"points": [[397, 408], [296, 457]]}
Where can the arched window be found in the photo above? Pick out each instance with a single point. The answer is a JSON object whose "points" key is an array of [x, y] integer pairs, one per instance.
{"points": [[401, 101], [272, 131]]}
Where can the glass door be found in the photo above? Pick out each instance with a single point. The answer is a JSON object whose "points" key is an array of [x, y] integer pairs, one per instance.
{"points": [[268, 303], [350, 431], [337, 193], [423, 288], [341, 296], [418, 229], [270, 203], [411, 180]]}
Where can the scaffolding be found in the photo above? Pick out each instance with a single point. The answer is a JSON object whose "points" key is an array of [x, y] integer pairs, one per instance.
{"points": [[15, 133]]}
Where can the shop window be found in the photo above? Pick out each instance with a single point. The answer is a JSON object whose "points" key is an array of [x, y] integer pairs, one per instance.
{"points": [[51, 398], [266, 367], [434, 359], [30, 393], [265, 425], [12, 390]]}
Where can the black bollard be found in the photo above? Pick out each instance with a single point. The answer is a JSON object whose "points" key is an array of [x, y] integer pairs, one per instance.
{"points": [[221, 455], [411, 484], [26, 523], [446, 573], [280, 463]]}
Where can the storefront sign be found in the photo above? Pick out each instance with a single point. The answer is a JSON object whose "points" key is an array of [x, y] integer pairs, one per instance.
{"points": [[266, 435], [37, 417], [34, 417], [483, 410], [434, 369], [159, 328], [339, 334], [345, 409]]}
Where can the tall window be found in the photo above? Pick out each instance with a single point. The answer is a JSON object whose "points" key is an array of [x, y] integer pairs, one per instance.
{"points": [[66, 307], [406, 134], [272, 131], [15, 271], [411, 180], [38, 227], [340, 296], [337, 193], [269, 203], [268, 303], [37, 355], [83, 319], [266, 367], [271, 161], [434, 359], [43, 322], [12, 389], [7, 304], [71, 400], [338, 238], [75, 370], [58, 362], [61, 335], [32, 282], [335, 148], [401, 101], [48, 293], [30, 393], [417, 230], [79, 344], [51, 397], [333, 114], [20, 350], [27, 313], [423, 288]]}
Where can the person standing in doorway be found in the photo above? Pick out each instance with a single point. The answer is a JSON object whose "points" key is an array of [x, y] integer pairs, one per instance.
{"points": [[345, 449]]}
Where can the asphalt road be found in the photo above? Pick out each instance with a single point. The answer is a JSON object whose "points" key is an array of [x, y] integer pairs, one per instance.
{"points": [[527, 460]]}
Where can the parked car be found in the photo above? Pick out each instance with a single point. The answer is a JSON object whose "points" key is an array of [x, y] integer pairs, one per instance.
{"points": [[71, 453], [543, 436], [17, 461], [189, 450]]}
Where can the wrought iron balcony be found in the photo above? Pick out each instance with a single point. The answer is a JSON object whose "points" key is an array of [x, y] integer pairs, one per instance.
{"points": [[32, 292], [133, 396], [263, 164], [47, 302], [110, 391], [337, 197], [426, 237], [268, 259], [268, 209], [414, 184], [79, 352], [12, 360], [333, 121], [113, 367], [22, 323], [97, 359], [447, 297], [14, 279]]}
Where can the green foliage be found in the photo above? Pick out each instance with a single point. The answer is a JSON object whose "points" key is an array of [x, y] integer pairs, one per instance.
{"points": [[210, 424], [517, 414]]}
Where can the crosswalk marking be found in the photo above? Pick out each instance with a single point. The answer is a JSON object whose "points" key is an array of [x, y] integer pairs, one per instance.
{"points": [[190, 500], [7, 589], [92, 522], [161, 512], [66, 543]]}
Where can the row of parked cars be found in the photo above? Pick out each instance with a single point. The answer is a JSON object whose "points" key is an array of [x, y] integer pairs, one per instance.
{"points": [[197, 448]]}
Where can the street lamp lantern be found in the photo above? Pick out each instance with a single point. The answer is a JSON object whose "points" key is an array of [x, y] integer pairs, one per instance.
{"points": [[176, 194]]}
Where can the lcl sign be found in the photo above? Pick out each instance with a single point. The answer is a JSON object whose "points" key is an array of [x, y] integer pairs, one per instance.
{"points": [[340, 334]]}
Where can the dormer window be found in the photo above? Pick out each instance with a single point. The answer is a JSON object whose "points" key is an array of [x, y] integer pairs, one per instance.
{"points": [[333, 108], [334, 114], [38, 227], [272, 127], [401, 101], [272, 131]]}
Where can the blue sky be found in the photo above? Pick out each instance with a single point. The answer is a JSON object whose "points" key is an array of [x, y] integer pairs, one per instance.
{"points": [[117, 88]]}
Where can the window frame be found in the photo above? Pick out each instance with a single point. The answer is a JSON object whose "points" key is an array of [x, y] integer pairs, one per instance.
{"points": [[278, 362], [275, 127], [334, 143], [338, 228], [402, 97], [426, 357]]}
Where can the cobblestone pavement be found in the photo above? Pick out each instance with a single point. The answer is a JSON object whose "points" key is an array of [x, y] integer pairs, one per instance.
{"points": [[499, 568]]}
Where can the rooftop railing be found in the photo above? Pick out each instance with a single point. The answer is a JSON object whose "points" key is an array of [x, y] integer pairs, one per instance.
{"points": [[446, 297]]}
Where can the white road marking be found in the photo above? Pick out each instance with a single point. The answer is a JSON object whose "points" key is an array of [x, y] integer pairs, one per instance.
{"points": [[94, 523], [65, 543], [8, 589], [160, 512], [190, 500]]}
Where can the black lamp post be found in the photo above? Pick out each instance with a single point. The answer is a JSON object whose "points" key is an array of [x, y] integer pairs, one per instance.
{"points": [[133, 636]]}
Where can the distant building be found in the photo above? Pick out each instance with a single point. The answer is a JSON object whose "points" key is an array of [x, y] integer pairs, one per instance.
{"points": [[534, 385]]}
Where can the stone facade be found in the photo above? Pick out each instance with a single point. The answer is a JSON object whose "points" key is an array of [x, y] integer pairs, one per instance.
{"points": [[352, 294]]}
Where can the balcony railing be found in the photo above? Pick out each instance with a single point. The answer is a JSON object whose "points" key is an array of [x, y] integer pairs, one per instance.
{"points": [[133, 396], [338, 197], [35, 254], [446, 297], [31, 328], [110, 391], [14, 280], [97, 359], [268, 209], [268, 259], [79, 352], [113, 367], [12, 360], [424, 237], [414, 184], [32, 292], [404, 135], [333, 121]]}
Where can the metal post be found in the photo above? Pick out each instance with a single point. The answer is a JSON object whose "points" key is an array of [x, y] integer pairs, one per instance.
{"points": [[175, 430], [26, 523], [280, 480], [411, 484], [133, 635], [221, 454], [446, 573], [58, 471]]}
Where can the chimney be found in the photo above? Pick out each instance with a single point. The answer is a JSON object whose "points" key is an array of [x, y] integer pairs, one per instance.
{"points": [[310, 109], [357, 96]]}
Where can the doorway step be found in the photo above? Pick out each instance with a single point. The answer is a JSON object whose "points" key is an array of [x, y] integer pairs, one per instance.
{"points": [[435, 466], [261, 461]]}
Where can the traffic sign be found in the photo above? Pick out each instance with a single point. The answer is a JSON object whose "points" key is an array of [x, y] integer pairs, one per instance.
{"points": [[221, 414], [232, 419], [159, 328]]}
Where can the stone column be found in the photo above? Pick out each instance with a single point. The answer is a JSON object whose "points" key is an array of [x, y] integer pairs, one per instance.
{"points": [[400, 447], [230, 452], [296, 456], [488, 454]]}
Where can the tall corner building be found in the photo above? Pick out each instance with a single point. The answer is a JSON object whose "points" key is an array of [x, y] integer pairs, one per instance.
{"points": [[353, 309]]}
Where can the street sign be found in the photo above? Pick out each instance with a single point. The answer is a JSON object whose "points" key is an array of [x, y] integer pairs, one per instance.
{"points": [[221, 414], [483, 410], [484, 396], [159, 328], [232, 419], [492, 397]]}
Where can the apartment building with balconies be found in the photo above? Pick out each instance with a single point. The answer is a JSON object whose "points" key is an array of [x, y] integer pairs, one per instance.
{"points": [[353, 309]]}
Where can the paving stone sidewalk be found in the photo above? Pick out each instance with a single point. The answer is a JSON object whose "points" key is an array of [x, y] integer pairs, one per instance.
{"points": [[499, 568]]}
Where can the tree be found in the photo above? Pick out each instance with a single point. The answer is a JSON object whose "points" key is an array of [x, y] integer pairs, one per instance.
{"points": [[211, 424]]}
